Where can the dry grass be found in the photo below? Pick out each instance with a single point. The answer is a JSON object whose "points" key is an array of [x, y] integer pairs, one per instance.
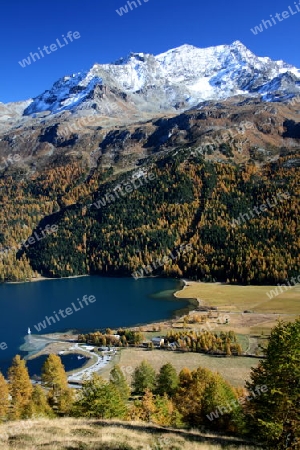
{"points": [[237, 299], [84, 434]]}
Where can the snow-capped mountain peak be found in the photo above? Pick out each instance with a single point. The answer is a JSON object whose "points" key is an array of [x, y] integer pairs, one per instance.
{"points": [[178, 78]]}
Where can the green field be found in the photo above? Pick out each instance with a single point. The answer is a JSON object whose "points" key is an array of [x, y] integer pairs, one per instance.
{"points": [[234, 369]]}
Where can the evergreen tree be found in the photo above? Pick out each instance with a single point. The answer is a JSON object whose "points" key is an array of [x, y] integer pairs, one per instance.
{"points": [[274, 409], [148, 407], [4, 398], [185, 378], [54, 378], [41, 407], [159, 409], [220, 396], [200, 393], [20, 389], [166, 413], [99, 399], [144, 377], [167, 380], [118, 379]]}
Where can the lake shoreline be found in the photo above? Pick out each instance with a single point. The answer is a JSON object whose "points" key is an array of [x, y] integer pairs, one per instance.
{"points": [[192, 306], [66, 342], [35, 280], [192, 303], [151, 292], [52, 339]]}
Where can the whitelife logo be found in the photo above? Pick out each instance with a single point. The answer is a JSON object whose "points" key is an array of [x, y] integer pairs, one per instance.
{"points": [[65, 312], [279, 16], [129, 187], [274, 293], [258, 210], [3, 346], [53, 47], [11, 159], [226, 409], [184, 248], [32, 239], [124, 9]]}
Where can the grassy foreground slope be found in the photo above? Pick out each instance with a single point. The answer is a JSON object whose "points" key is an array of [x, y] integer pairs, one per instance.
{"points": [[83, 434]]}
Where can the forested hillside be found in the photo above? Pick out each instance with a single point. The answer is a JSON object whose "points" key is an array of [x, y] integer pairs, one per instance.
{"points": [[187, 200]]}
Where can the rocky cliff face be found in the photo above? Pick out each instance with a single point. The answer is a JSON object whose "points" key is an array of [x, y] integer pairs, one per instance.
{"points": [[228, 130]]}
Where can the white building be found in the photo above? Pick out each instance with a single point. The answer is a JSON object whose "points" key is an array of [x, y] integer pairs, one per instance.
{"points": [[158, 341]]}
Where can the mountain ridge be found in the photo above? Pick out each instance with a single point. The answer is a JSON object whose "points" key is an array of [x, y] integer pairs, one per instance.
{"points": [[177, 79]]}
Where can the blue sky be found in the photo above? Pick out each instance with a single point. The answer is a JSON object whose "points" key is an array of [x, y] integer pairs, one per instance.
{"points": [[153, 27]]}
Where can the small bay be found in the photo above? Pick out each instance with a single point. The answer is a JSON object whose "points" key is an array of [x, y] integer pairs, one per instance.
{"points": [[120, 302]]}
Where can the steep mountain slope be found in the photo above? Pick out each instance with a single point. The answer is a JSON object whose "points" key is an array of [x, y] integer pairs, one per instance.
{"points": [[198, 191], [254, 130], [12, 114], [213, 161]]}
